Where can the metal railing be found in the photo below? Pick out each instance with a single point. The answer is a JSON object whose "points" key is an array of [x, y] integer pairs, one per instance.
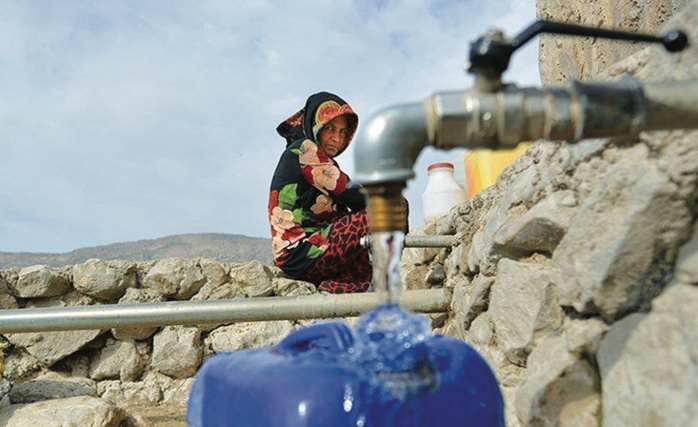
{"points": [[211, 312]]}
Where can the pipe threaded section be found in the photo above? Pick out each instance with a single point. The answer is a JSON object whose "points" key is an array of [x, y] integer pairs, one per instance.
{"points": [[386, 211]]}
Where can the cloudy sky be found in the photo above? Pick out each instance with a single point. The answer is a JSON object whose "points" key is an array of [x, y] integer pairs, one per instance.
{"points": [[129, 120]]}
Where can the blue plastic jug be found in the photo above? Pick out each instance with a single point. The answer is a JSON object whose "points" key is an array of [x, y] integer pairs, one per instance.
{"points": [[387, 372]]}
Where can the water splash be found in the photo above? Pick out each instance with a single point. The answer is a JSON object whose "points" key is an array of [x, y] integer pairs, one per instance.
{"points": [[390, 341], [386, 249], [390, 348]]}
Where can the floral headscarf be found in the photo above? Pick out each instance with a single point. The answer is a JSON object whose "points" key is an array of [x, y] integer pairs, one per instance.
{"points": [[323, 107]]}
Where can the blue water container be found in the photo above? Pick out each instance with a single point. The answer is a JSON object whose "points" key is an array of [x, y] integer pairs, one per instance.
{"points": [[387, 372]]}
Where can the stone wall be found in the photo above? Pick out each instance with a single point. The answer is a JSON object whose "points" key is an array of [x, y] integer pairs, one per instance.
{"points": [[576, 277], [107, 376]]}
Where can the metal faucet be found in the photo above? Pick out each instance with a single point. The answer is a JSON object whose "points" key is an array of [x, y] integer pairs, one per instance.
{"points": [[495, 115]]}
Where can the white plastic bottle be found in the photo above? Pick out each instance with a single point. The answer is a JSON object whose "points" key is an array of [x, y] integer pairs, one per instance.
{"points": [[442, 192]]}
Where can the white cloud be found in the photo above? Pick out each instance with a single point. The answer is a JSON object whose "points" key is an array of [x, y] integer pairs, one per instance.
{"points": [[131, 120]]}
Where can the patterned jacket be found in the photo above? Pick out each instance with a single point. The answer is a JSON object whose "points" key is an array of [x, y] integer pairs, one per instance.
{"points": [[308, 190]]}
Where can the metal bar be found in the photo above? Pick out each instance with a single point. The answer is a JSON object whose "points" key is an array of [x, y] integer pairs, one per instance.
{"points": [[207, 312], [388, 144], [430, 241], [420, 241]]}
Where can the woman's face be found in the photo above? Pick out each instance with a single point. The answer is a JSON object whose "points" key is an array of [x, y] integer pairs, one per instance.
{"points": [[333, 136]]}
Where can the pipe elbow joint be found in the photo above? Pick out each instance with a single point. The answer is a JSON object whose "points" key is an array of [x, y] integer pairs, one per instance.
{"points": [[386, 147]]}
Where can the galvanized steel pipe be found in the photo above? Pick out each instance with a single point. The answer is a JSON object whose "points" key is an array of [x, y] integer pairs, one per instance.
{"points": [[390, 143], [210, 312], [671, 105], [437, 241], [387, 146], [430, 241], [580, 110]]}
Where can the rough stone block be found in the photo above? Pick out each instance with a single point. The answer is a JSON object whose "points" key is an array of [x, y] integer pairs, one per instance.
{"points": [[584, 335], [50, 347], [523, 307], [7, 300], [71, 411], [480, 257], [284, 287], [687, 262], [246, 335], [178, 393], [40, 281], [649, 363], [610, 250], [10, 276], [97, 279], [126, 393], [122, 360], [436, 274], [177, 351], [461, 286], [5, 387], [254, 278], [214, 272], [51, 386], [20, 365], [540, 229], [453, 260], [479, 298], [223, 291], [416, 255], [558, 388], [414, 277], [481, 330], [175, 278]]}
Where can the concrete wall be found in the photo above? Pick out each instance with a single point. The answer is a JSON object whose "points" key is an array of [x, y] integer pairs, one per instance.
{"points": [[563, 58]]}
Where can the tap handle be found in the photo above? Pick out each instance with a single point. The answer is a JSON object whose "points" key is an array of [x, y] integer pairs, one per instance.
{"points": [[491, 52], [673, 41]]}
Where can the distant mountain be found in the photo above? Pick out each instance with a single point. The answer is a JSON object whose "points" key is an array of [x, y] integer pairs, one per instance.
{"points": [[220, 247]]}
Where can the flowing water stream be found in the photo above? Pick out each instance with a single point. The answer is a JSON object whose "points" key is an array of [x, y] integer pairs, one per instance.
{"points": [[387, 251], [390, 340]]}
